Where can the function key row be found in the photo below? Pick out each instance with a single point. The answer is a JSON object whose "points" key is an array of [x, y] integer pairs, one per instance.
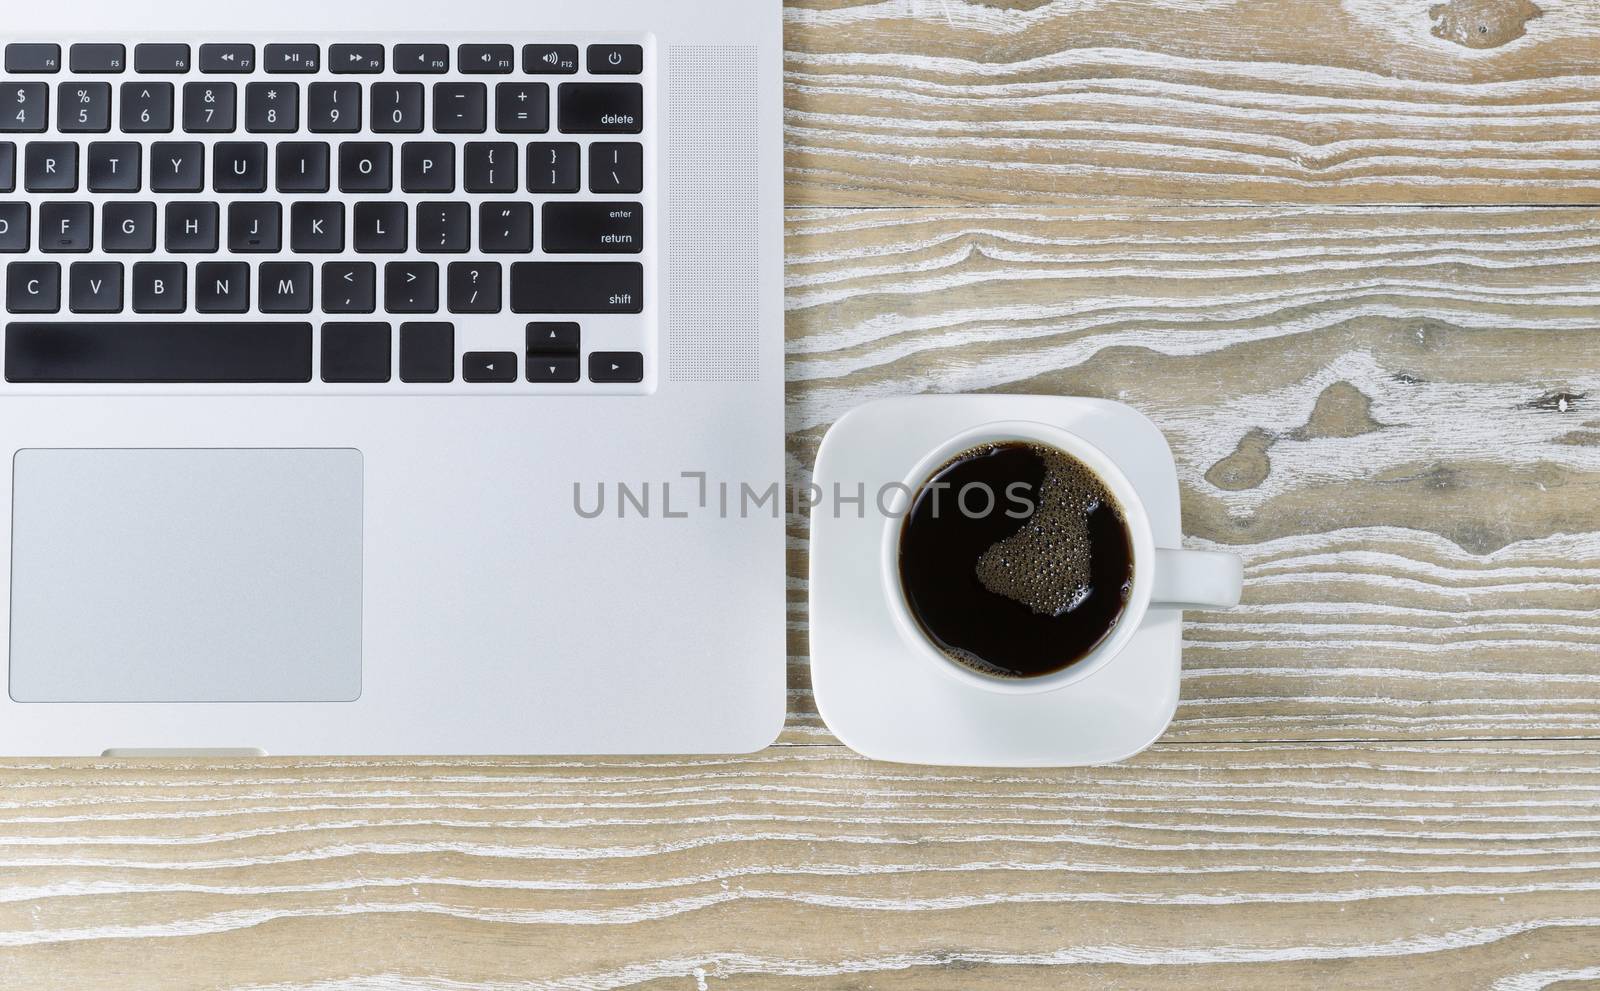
{"points": [[353, 59]]}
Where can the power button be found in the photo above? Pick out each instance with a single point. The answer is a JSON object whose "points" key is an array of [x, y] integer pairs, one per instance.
{"points": [[616, 60]]}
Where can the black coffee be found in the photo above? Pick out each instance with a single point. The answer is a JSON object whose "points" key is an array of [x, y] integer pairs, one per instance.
{"points": [[1016, 560]]}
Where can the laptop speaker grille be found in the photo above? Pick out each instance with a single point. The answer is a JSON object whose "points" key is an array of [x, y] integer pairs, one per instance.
{"points": [[714, 224]]}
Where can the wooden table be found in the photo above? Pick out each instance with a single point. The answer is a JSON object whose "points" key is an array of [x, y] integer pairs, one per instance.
{"points": [[1347, 255]]}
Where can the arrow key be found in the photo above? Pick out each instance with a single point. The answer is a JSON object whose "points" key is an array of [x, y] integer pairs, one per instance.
{"points": [[610, 367], [553, 369], [554, 338], [489, 366]]}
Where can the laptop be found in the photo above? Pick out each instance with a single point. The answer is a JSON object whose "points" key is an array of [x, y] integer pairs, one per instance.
{"points": [[392, 377]]}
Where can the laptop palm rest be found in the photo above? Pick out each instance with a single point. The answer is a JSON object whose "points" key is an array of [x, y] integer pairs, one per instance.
{"points": [[186, 576]]}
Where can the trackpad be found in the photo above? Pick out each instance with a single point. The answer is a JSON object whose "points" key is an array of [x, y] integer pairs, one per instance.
{"points": [[186, 576]]}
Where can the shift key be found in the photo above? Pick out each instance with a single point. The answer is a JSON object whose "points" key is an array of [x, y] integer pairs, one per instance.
{"points": [[577, 287]]}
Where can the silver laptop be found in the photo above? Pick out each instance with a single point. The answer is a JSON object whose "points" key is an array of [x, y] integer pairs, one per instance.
{"points": [[392, 377]]}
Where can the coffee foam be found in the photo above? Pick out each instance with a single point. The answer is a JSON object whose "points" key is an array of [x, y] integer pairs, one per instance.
{"points": [[1046, 566]]}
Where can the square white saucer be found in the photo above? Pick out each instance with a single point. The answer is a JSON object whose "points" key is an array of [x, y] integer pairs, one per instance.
{"points": [[886, 701]]}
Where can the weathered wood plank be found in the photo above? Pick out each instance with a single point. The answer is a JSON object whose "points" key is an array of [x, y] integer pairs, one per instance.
{"points": [[1366, 101], [1244, 867], [1390, 414]]}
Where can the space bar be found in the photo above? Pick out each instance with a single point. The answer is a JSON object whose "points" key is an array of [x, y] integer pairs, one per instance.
{"points": [[158, 352]]}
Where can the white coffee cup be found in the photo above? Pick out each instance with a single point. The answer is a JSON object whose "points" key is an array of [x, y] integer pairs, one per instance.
{"points": [[1163, 578]]}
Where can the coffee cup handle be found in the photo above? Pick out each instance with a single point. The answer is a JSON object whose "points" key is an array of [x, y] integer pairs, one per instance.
{"points": [[1197, 580]]}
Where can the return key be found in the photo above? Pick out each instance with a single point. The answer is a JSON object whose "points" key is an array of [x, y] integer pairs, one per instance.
{"points": [[593, 228]]}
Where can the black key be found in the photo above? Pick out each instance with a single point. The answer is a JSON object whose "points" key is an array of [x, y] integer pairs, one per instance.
{"points": [[293, 58], [33, 287], [554, 338], [357, 352], [50, 167], [577, 287], [554, 167], [95, 287], [160, 287], [505, 228], [554, 369], [616, 168], [427, 352], [255, 227], [227, 58], [475, 287], [411, 287], [222, 287], [177, 167], [33, 58], [616, 367], [397, 108], [366, 167], [496, 59], [147, 108], [550, 59], [381, 228], [210, 108], [593, 228], [428, 167], [272, 108], [128, 228], [83, 108], [133, 351], [349, 287], [8, 167], [601, 108], [192, 228], [489, 167], [16, 228], [616, 60], [422, 59], [334, 108], [66, 227], [114, 167], [161, 58], [355, 59], [239, 167], [24, 107], [286, 287], [99, 60], [316, 228], [303, 167], [444, 228], [522, 108], [489, 366], [460, 108]]}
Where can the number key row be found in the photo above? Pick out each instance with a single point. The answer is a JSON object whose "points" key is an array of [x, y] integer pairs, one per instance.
{"points": [[273, 107]]}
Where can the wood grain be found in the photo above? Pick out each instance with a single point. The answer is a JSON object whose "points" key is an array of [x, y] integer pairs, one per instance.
{"points": [[1350, 866], [1391, 414], [930, 102]]}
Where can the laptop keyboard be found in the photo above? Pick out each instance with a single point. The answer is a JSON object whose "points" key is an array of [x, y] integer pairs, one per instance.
{"points": [[362, 215]]}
